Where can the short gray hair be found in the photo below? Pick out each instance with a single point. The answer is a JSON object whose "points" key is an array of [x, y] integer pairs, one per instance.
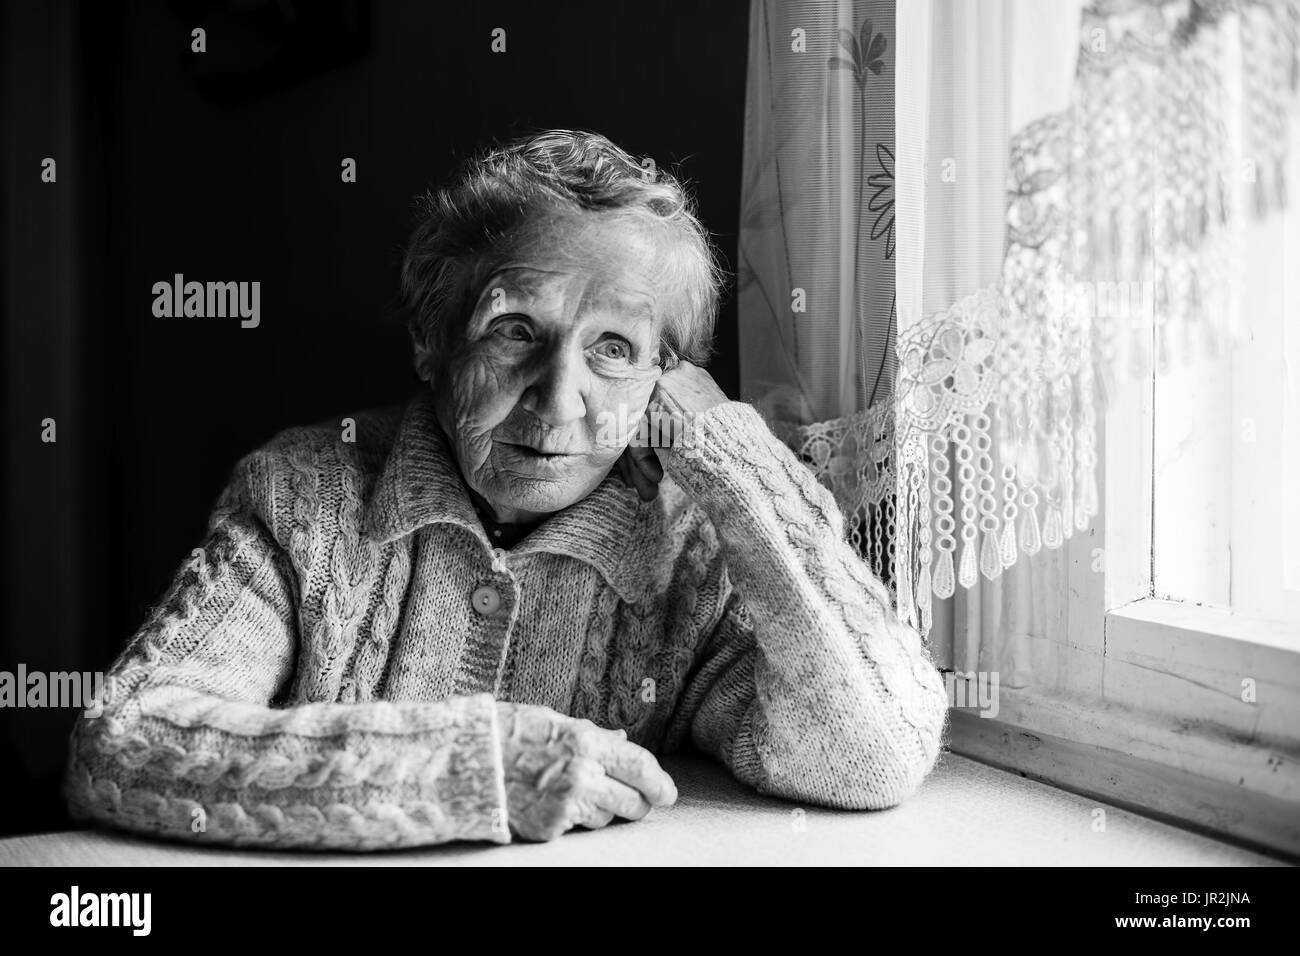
{"points": [[463, 230]]}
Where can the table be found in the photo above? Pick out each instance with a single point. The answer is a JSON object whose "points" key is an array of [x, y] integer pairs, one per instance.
{"points": [[966, 814]]}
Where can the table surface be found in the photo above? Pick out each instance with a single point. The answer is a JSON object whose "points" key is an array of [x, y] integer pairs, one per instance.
{"points": [[966, 814]]}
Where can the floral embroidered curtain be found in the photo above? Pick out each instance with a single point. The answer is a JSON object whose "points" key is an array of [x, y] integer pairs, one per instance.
{"points": [[1070, 177], [817, 246]]}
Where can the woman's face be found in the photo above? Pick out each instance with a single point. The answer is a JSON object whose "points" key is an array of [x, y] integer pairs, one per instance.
{"points": [[560, 338]]}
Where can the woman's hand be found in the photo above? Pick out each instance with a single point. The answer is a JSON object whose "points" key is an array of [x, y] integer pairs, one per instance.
{"points": [[563, 772], [679, 396]]}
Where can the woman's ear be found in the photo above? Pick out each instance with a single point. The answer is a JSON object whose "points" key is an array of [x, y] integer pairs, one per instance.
{"points": [[423, 359]]}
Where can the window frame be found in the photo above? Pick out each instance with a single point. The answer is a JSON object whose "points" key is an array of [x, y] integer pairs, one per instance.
{"points": [[1150, 715]]}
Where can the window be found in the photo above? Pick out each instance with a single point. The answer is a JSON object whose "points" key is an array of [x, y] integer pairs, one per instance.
{"points": [[1180, 642], [1226, 432]]}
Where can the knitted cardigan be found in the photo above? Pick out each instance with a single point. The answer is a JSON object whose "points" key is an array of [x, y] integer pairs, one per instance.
{"points": [[324, 671]]}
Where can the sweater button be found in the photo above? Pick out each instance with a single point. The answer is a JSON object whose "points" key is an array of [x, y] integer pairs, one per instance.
{"points": [[486, 600]]}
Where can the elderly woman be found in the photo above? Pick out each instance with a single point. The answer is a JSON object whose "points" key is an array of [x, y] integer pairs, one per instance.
{"points": [[482, 614]]}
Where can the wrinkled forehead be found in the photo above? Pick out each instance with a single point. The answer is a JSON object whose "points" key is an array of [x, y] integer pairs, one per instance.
{"points": [[616, 254], [556, 286]]}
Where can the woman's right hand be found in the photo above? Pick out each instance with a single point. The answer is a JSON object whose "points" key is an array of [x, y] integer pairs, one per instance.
{"points": [[563, 772]]}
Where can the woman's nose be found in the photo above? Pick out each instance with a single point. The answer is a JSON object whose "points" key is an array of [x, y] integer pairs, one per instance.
{"points": [[557, 392]]}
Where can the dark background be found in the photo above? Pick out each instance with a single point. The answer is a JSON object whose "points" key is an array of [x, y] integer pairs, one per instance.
{"points": [[225, 166]]}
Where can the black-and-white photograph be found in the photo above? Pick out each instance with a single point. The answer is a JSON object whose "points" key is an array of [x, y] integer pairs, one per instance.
{"points": [[748, 433]]}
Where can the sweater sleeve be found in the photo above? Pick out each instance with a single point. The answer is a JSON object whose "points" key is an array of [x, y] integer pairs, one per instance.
{"points": [[189, 746], [808, 687]]}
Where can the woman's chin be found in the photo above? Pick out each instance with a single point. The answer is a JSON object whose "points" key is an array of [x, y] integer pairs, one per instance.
{"points": [[540, 491]]}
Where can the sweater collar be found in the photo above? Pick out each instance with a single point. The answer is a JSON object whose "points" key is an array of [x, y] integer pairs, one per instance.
{"points": [[420, 484]]}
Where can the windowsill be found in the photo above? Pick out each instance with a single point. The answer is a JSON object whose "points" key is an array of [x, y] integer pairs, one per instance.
{"points": [[966, 813], [1205, 625], [1227, 686]]}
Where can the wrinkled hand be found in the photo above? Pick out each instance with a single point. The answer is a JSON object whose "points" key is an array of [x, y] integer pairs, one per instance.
{"points": [[679, 396], [563, 772]]}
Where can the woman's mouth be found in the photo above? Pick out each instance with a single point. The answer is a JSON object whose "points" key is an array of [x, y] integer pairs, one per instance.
{"points": [[539, 456]]}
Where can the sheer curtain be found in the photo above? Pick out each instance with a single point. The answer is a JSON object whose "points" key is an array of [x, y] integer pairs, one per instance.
{"points": [[817, 246], [1068, 178], [971, 74]]}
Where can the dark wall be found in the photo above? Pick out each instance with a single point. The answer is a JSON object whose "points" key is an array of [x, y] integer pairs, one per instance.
{"points": [[225, 167]]}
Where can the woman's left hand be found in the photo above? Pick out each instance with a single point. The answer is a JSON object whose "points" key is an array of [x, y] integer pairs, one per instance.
{"points": [[679, 396]]}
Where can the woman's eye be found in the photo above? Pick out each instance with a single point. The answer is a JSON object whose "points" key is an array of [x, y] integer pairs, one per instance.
{"points": [[615, 349], [516, 331]]}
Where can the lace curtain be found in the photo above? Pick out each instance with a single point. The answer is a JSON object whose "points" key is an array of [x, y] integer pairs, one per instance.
{"points": [[1070, 177]]}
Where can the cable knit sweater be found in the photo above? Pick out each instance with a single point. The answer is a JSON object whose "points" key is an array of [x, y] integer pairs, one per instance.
{"points": [[325, 670]]}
